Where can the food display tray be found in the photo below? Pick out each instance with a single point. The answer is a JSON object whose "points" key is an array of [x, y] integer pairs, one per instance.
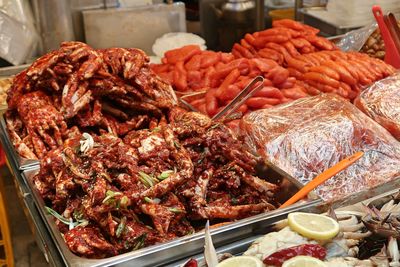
{"points": [[161, 254], [9, 150], [239, 247]]}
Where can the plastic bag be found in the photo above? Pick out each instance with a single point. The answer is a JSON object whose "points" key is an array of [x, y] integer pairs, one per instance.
{"points": [[310, 135], [355, 40], [18, 37], [381, 101]]}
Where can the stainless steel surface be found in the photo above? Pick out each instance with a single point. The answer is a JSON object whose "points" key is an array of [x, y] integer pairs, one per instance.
{"points": [[77, 6], [326, 28], [238, 5], [260, 15], [225, 22], [235, 248], [159, 255], [298, 4], [54, 21], [133, 27], [9, 150], [9, 71]]}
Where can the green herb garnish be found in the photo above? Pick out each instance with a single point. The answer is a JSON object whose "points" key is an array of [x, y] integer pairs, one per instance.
{"points": [[175, 210], [140, 241], [70, 222], [124, 201], [165, 174], [121, 227], [146, 179], [110, 195], [148, 200], [156, 129]]}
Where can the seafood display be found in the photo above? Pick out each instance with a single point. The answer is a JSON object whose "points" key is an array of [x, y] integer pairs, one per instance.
{"points": [[294, 61], [307, 136], [379, 101], [124, 167], [363, 240], [111, 195], [76, 89], [359, 235]]}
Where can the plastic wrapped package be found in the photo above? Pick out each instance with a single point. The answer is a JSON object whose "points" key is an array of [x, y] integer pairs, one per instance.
{"points": [[355, 40], [381, 101], [310, 135], [18, 37]]}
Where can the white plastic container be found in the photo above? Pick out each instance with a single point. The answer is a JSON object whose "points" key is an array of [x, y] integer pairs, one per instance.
{"points": [[133, 27]]}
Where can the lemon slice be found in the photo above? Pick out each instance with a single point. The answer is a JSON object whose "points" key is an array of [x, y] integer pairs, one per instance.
{"points": [[303, 261], [241, 261], [313, 226]]}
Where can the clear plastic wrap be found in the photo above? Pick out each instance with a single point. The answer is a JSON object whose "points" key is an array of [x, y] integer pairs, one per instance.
{"points": [[309, 135], [18, 37], [381, 101], [355, 40]]}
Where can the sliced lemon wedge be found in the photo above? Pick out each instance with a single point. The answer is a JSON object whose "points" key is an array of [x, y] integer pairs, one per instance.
{"points": [[241, 261], [313, 226], [303, 261]]}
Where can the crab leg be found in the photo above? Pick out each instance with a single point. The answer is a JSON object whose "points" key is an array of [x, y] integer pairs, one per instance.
{"points": [[234, 212], [40, 148], [393, 251], [184, 163], [259, 184], [200, 190]]}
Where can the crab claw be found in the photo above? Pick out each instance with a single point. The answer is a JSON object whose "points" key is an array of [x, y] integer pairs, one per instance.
{"points": [[393, 251]]}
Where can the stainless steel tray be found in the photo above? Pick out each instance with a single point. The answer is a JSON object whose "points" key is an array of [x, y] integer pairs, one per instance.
{"points": [[160, 255], [9, 71], [239, 247], [236, 248], [325, 27], [11, 153]]}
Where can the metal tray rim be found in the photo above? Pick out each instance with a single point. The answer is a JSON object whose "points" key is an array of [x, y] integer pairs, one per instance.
{"points": [[21, 163]]}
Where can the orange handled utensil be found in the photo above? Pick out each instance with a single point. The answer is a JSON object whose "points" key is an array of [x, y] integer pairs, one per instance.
{"points": [[325, 175]]}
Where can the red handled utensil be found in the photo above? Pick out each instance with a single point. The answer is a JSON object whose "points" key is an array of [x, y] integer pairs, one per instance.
{"points": [[392, 55]]}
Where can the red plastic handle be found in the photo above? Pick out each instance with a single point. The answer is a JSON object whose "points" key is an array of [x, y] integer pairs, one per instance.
{"points": [[392, 56]]}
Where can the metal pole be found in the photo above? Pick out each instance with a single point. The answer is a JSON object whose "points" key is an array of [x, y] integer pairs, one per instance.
{"points": [[298, 4], [260, 21]]}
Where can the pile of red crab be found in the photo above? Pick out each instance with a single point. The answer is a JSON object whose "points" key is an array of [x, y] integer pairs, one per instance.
{"points": [[294, 61], [119, 179], [79, 89]]}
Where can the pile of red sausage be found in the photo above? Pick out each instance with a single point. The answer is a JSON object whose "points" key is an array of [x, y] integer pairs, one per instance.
{"points": [[294, 61]]}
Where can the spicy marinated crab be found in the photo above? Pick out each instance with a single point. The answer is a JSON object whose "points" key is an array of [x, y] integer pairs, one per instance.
{"points": [[102, 91], [158, 182]]}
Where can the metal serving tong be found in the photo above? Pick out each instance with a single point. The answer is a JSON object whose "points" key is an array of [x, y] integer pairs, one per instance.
{"points": [[391, 35], [253, 87]]}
